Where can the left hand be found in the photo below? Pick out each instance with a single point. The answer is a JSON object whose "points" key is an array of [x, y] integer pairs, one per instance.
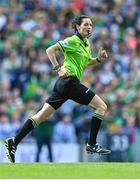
{"points": [[102, 54], [63, 72]]}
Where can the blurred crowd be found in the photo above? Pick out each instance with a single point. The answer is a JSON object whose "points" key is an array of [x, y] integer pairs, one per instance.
{"points": [[28, 27]]}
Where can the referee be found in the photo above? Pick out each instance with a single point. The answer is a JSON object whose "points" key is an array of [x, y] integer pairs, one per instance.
{"points": [[77, 56]]}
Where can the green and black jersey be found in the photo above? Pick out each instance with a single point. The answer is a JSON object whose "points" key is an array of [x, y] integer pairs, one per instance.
{"points": [[76, 55]]}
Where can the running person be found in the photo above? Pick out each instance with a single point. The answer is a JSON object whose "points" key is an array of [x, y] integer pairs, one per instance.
{"points": [[77, 55]]}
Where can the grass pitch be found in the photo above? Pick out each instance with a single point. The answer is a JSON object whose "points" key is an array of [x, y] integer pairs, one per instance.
{"points": [[70, 171]]}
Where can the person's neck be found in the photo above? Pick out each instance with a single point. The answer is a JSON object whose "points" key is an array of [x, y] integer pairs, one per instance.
{"points": [[81, 37]]}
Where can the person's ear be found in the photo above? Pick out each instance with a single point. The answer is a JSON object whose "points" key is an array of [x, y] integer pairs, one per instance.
{"points": [[77, 27]]}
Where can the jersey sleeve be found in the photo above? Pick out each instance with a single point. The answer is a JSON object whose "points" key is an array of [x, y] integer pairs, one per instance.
{"points": [[66, 44]]}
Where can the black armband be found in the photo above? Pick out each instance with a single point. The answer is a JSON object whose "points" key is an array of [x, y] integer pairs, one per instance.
{"points": [[57, 68], [98, 60]]}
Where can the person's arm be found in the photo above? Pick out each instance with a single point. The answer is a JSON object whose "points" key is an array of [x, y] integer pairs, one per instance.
{"points": [[102, 55], [93, 61], [51, 52]]}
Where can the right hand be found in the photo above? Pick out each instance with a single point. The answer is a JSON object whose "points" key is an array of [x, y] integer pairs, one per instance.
{"points": [[63, 72], [102, 54]]}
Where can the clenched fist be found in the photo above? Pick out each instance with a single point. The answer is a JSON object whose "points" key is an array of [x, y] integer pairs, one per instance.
{"points": [[63, 72], [102, 54]]}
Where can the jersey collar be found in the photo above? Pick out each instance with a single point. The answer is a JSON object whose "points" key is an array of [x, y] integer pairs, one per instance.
{"points": [[80, 37]]}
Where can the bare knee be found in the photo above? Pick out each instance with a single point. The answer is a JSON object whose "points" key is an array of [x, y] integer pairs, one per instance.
{"points": [[101, 109], [104, 107], [98, 105]]}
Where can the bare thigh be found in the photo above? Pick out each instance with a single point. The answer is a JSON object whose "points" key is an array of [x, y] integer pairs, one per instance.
{"points": [[42, 115]]}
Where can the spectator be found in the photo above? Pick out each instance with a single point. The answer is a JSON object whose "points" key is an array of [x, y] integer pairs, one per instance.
{"points": [[64, 131], [43, 136]]}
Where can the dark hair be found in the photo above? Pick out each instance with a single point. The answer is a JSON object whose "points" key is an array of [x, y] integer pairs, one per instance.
{"points": [[78, 20]]}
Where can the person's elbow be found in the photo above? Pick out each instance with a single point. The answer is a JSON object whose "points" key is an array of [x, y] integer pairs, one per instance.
{"points": [[51, 49]]}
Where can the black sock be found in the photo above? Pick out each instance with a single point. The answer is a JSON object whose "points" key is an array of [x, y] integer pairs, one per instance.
{"points": [[29, 125], [95, 126]]}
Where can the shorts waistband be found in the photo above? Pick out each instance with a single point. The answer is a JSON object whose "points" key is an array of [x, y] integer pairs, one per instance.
{"points": [[72, 77]]}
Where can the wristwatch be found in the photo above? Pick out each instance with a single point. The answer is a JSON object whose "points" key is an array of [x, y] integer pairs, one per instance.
{"points": [[98, 60], [57, 68]]}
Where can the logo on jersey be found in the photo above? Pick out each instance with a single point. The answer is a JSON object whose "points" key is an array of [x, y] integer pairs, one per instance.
{"points": [[87, 90], [65, 43]]}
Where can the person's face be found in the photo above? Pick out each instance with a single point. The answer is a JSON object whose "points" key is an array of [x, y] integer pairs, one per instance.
{"points": [[85, 28]]}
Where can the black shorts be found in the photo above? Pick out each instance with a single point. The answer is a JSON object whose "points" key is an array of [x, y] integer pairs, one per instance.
{"points": [[69, 88]]}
